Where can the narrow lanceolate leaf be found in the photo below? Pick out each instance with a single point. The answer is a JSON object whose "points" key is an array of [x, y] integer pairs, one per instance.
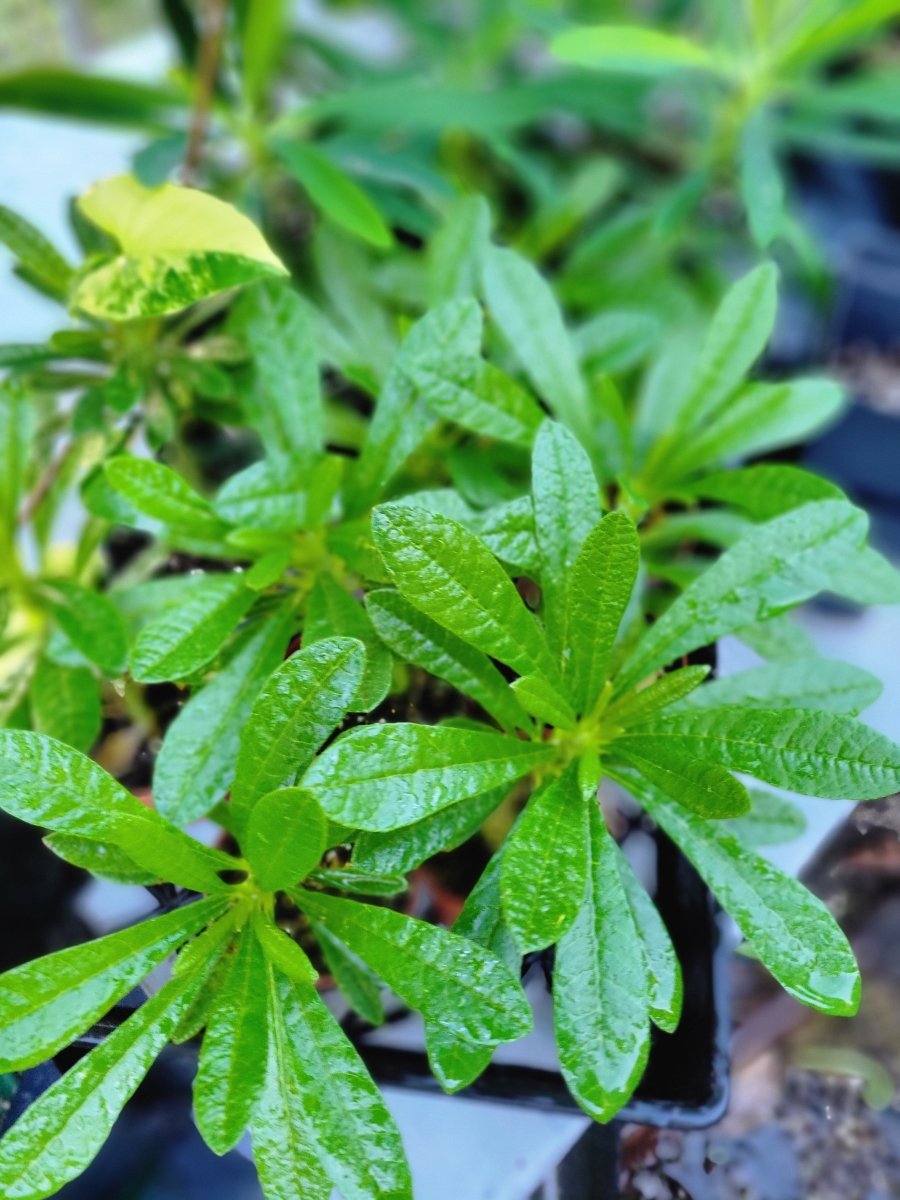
{"points": [[450, 332], [772, 568], [158, 492], [401, 850], [333, 612], [100, 858], [232, 1065], [789, 929], [600, 587], [702, 786], [547, 705], [344, 1116], [288, 1164], [524, 308], [182, 639], [281, 396], [65, 703], [664, 980], [281, 950], [334, 192], [566, 509], [170, 854], [440, 974], [49, 784], [36, 254], [450, 575], [765, 490], [762, 187], [91, 622], [47, 1003], [286, 838], [416, 638], [668, 689], [737, 336], [479, 396], [816, 683], [359, 883], [65, 1127], [298, 708], [815, 753], [361, 986], [195, 767], [382, 777], [770, 821], [545, 864], [758, 419], [631, 49], [454, 253], [601, 1004]]}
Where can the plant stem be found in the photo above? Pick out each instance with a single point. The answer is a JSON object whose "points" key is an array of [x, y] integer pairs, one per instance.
{"points": [[213, 19]]}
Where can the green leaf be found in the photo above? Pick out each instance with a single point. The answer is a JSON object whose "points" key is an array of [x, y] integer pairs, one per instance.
{"points": [[762, 187], [482, 919], [790, 930], [281, 393], [508, 532], [66, 1126], [632, 50], [416, 638], [814, 753], [17, 419], [286, 838], [333, 612], [231, 1070], [704, 787], [100, 858], [600, 586], [65, 703], [183, 639], [455, 1060], [345, 1118], [454, 255], [668, 689], [47, 1003], [566, 509], [401, 850], [736, 337], [263, 34], [282, 951], [543, 702], [601, 1006], [759, 419], [816, 683], [195, 767], [774, 567], [381, 777], [288, 1163], [770, 821], [74, 94], [300, 705], [449, 333], [333, 191], [544, 869], [361, 986], [664, 979], [478, 396], [778, 639], [446, 977], [36, 254], [525, 310], [450, 575], [91, 622], [170, 854], [156, 491], [765, 490], [47, 783]]}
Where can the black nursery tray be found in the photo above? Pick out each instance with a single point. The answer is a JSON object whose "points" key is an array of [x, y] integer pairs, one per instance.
{"points": [[685, 1084]]}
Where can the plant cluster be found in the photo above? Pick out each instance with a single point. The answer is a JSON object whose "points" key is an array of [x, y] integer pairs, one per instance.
{"points": [[425, 480]]}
